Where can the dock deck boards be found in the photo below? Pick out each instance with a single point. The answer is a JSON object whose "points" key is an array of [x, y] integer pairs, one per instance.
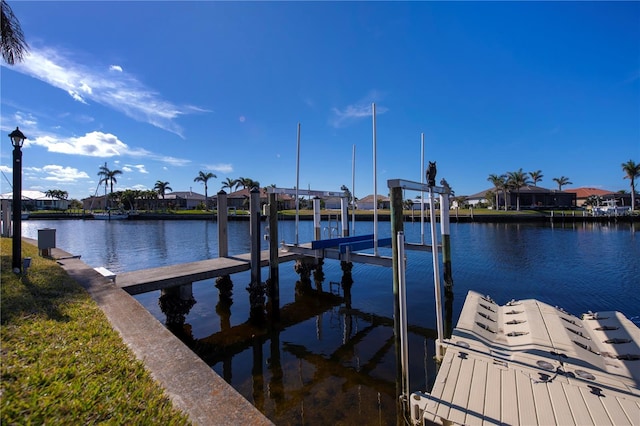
{"points": [[147, 280]]}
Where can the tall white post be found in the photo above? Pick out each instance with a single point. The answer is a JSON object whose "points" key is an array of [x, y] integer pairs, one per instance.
{"points": [[422, 175], [402, 296], [353, 191], [375, 184], [436, 274], [344, 216], [317, 233], [297, 186]]}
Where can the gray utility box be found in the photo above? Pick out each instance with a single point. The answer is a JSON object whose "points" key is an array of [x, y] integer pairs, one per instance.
{"points": [[46, 240]]}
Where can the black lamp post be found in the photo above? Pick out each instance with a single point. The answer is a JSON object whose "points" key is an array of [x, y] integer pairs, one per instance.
{"points": [[17, 139]]}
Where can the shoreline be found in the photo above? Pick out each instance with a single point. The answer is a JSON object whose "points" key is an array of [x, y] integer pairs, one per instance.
{"points": [[383, 217]]}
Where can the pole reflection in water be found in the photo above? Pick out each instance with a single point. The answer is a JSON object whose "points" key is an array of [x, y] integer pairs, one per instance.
{"points": [[337, 373]]}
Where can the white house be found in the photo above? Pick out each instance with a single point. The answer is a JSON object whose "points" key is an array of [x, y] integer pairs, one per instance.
{"points": [[37, 200]]}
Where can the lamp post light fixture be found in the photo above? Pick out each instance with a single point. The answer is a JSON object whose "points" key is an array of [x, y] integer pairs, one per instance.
{"points": [[17, 140]]}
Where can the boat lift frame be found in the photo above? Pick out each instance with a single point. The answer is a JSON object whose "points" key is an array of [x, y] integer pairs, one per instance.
{"points": [[396, 187]]}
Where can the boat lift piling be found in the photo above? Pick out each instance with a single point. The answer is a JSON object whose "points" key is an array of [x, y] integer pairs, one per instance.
{"points": [[445, 230], [317, 231], [256, 288], [223, 239], [273, 289]]}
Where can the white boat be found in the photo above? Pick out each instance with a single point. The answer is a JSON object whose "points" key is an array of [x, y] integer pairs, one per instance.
{"points": [[111, 215], [610, 208]]}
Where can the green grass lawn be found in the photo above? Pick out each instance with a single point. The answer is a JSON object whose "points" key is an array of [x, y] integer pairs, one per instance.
{"points": [[61, 362]]}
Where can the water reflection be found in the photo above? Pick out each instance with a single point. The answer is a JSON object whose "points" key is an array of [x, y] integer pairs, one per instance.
{"points": [[347, 367]]}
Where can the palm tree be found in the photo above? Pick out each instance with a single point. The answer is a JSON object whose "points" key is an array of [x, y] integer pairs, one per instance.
{"points": [[13, 44], [161, 187], [57, 193], [536, 177], [517, 180], [500, 183], [562, 181], [248, 183], [204, 178], [229, 183], [108, 177], [632, 171]]}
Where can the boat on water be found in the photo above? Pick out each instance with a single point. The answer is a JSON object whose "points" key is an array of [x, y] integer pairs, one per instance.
{"points": [[610, 208], [528, 362], [111, 215]]}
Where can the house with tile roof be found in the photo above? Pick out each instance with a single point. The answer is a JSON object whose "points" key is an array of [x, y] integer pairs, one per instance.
{"points": [[583, 194]]}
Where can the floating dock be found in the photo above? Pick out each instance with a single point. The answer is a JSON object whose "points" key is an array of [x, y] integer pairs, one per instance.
{"points": [[531, 363]]}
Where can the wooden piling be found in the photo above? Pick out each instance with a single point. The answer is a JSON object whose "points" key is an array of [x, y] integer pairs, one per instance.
{"points": [[397, 225], [254, 233], [256, 289], [446, 243], [223, 238], [274, 278]]}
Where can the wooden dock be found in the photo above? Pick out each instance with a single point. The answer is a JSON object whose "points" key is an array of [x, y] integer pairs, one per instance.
{"points": [[146, 280]]}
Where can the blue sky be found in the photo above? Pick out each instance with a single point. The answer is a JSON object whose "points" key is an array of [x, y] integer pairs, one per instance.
{"points": [[163, 90]]}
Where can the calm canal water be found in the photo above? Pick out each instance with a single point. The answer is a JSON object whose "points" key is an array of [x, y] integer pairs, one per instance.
{"points": [[337, 365]]}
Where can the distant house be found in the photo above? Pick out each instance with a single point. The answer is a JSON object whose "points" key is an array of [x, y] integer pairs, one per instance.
{"points": [[531, 197], [37, 200], [94, 203], [240, 199], [479, 198], [332, 203], [185, 200], [582, 194], [367, 203]]}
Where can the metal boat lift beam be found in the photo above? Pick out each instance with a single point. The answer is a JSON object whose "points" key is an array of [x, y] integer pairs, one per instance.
{"points": [[417, 186], [306, 192]]}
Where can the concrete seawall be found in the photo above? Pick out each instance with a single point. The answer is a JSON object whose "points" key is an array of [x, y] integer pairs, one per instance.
{"points": [[190, 383]]}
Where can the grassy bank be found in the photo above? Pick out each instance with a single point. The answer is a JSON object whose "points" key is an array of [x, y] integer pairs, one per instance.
{"points": [[62, 363]]}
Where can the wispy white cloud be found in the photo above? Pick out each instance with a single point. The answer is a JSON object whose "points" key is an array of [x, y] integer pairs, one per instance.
{"points": [[221, 168], [94, 144], [110, 87], [140, 168], [98, 144], [56, 173], [356, 111]]}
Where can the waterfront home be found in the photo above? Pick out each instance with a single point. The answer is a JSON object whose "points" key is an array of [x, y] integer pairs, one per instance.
{"points": [[185, 200], [530, 197], [366, 203], [604, 196], [37, 200], [240, 199], [582, 194]]}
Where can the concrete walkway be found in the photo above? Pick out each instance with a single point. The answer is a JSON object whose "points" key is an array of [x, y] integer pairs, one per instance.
{"points": [[192, 385]]}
